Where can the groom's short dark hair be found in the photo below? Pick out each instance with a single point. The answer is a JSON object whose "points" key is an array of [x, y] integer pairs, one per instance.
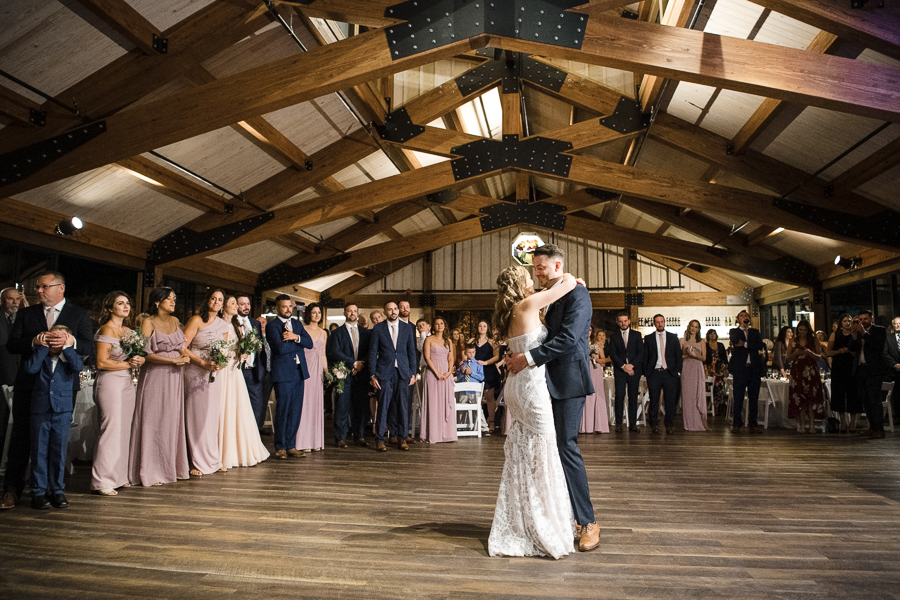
{"points": [[550, 251]]}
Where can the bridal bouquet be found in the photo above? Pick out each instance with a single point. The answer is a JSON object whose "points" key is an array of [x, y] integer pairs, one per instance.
{"points": [[251, 344], [336, 376], [132, 344], [594, 354], [218, 353]]}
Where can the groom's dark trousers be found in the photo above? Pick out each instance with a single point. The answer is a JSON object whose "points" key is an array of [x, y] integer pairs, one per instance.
{"points": [[565, 354]]}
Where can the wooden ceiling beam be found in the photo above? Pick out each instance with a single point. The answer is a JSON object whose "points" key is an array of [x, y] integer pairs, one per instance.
{"points": [[714, 278], [876, 29], [746, 66], [273, 86], [583, 92], [16, 107], [880, 161], [763, 232], [370, 13], [127, 79], [677, 14], [374, 275], [126, 21], [182, 189]]}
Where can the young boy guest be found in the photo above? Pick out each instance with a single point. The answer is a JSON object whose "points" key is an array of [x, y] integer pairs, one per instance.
{"points": [[52, 403]]}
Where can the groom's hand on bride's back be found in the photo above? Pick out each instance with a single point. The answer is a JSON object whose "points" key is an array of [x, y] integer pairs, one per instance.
{"points": [[515, 362]]}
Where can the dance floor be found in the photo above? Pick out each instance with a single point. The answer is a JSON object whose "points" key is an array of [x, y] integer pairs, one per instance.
{"points": [[690, 515]]}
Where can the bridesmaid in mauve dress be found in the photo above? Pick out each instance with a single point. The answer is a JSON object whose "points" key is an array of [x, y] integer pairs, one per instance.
{"points": [[114, 395], [202, 397], [438, 401], [157, 453], [693, 378], [311, 433], [595, 418]]}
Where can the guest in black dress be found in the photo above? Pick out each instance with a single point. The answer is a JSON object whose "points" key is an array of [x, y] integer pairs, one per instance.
{"points": [[780, 361], [844, 400], [717, 367], [487, 353]]}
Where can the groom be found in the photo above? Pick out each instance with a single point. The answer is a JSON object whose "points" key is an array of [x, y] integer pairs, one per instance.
{"points": [[565, 353]]}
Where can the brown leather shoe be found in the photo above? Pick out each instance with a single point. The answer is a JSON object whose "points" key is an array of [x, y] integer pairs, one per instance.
{"points": [[362, 442], [341, 444], [9, 501], [670, 430], [878, 434], [755, 429], [281, 454], [735, 429], [578, 529], [866, 433], [294, 453], [380, 447], [402, 445], [392, 440], [590, 537], [410, 441], [618, 428]]}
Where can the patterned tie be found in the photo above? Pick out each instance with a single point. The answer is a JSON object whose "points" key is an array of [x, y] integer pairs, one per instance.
{"points": [[394, 334], [51, 317], [468, 366], [354, 338]]}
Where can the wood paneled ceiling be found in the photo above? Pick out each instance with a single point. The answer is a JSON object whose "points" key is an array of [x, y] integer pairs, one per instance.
{"points": [[748, 103]]}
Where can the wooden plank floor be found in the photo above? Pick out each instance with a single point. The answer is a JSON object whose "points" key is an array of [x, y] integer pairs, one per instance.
{"points": [[692, 515]]}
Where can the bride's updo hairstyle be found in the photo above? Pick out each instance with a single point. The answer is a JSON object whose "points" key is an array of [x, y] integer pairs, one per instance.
{"points": [[512, 288]]}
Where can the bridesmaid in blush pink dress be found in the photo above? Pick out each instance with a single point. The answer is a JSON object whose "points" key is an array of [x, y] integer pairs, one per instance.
{"points": [[114, 393], [203, 398], [438, 401], [693, 378], [311, 433], [157, 453], [595, 418]]}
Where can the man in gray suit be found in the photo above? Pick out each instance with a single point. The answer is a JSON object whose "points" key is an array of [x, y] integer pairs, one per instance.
{"points": [[10, 299]]}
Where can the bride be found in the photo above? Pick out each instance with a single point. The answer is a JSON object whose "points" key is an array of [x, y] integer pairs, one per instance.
{"points": [[239, 441], [533, 515]]}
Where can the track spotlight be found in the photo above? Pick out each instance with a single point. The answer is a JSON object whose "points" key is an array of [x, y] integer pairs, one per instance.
{"points": [[847, 263], [69, 227]]}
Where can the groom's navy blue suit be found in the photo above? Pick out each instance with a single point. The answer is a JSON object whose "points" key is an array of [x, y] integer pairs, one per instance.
{"points": [[565, 354], [288, 373]]}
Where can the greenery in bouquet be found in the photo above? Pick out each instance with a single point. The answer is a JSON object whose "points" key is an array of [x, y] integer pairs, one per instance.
{"points": [[219, 352], [336, 376], [251, 344], [133, 343]]}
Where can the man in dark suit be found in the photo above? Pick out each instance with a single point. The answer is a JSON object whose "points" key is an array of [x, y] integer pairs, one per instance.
{"points": [[287, 338], [892, 359], [255, 366], [662, 366], [30, 325], [746, 368], [9, 362], [870, 369], [349, 345], [626, 351], [392, 362], [565, 353], [394, 417]]}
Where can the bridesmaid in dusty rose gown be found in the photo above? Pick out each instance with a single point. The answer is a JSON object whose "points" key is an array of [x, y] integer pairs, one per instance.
{"points": [[311, 433], [157, 453], [202, 397], [239, 441], [595, 418], [438, 401], [114, 395], [693, 378]]}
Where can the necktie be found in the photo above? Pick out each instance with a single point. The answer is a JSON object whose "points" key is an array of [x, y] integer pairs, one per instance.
{"points": [[354, 338], [468, 366], [10, 319], [662, 348], [51, 317], [394, 334], [862, 350]]}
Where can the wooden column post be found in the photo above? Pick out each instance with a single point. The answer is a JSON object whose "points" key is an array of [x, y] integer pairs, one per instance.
{"points": [[428, 286], [630, 265]]}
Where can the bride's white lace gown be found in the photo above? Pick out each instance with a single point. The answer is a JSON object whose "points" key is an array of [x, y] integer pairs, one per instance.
{"points": [[533, 515]]}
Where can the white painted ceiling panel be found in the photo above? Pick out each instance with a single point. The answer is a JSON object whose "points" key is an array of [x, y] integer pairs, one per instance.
{"points": [[256, 257]]}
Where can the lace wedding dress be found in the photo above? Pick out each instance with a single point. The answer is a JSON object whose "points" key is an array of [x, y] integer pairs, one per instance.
{"points": [[533, 515]]}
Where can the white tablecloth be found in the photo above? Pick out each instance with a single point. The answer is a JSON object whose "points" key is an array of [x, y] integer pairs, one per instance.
{"points": [[780, 390], [85, 425]]}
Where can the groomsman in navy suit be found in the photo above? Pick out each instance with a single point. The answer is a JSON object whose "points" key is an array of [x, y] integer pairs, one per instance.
{"points": [[394, 417], [287, 338], [349, 344], [30, 324], [747, 368], [255, 367], [626, 351], [662, 366], [392, 361]]}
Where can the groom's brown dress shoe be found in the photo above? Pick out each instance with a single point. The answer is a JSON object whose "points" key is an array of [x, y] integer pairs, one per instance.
{"points": [[590, 537], [281, 454], [578, 529], [380, 447]]}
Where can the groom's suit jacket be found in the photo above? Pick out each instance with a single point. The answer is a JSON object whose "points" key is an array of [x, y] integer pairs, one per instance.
{"points": [[566, 351]]}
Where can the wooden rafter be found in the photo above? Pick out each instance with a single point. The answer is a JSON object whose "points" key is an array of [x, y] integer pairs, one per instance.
{"points": [[374, 274], [713, 277], [125, 20], [885, 158], [17, 107], [177, 186], [677, 14]]}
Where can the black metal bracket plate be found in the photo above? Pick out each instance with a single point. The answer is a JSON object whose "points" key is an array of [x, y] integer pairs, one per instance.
{"points": [[160, 44], [880, 228], [37, 117], [24, 162], [281, 275], [427, 300], [627, 117], [540, 214], [436, 23], [635, 299], [542, 74], [443, 196], [786, 268], [486, 75], [398, 127], [538, 154], [511, 68], [184, 242], [327, 301]]}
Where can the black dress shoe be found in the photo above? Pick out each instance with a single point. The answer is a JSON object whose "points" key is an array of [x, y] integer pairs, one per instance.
{"points": [[655, 429], [618, 429], [59, 500], [634, 429], [670, 430], [40, 502]]}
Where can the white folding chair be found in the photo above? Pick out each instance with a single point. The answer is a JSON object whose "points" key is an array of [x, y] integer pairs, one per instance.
{"points": [[270, 411], [711, 395], [471, 392], [770, 401], [888, 386], [729, 410], [8, 398]]}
